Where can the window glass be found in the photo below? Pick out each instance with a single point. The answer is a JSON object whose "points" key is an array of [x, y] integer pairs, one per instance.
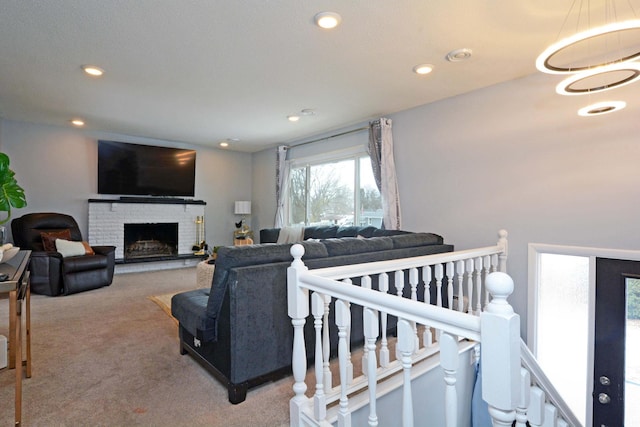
{"points": [[325, 193]]}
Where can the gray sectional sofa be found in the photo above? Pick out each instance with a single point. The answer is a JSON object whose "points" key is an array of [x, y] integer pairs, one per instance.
{"points": [[239, 329]]}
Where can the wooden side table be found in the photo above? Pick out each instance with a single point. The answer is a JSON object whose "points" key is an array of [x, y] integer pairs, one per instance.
{"points": [[17, 286]]}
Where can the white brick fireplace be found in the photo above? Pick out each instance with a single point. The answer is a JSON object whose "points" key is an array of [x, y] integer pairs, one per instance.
{"points": [[107, 219]]}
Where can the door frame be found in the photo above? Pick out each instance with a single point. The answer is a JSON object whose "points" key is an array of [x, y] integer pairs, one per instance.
{"points": [[534, 252]]}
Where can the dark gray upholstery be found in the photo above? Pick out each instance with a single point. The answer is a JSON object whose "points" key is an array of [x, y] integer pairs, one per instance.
{"points": [[51, 274], [239, 329]]}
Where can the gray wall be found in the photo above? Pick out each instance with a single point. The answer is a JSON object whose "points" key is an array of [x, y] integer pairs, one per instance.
{"points": [[505, 157], [57, 167]]}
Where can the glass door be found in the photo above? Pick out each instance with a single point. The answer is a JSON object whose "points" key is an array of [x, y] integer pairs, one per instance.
{"points": [[617, 343]]}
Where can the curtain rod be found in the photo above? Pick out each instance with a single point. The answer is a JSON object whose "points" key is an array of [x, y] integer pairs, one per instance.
{"points": [[331, 136]]}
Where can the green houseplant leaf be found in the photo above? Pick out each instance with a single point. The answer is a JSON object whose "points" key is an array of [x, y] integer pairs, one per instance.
{"points": [[11, 194]]}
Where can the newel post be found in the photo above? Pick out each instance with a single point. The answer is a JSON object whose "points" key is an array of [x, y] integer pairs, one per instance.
{"points": [[500, 351], [298, 309]]}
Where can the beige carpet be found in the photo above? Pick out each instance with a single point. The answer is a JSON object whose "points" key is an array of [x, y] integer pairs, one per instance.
{"points": [[110, 357]]}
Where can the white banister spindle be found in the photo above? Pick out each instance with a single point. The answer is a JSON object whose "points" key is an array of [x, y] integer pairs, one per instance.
{"points": [[427, 336], [383, 286], [535, 413], [523, 404], [450, 275], [449, 362], [371, 335], [319, 398], [349, 363], [298, 310], [550, 415], [439, 274], [487, 271], [502, 241], [478, 282], [500, 337], [365, 284], [343, 317], [405, 349], [326, 346], [460, 274], [413, 282], [470, 275], [398, 280]]}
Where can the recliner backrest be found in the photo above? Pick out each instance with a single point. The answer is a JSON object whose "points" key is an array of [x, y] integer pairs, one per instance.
{"points": [[26, 229]]}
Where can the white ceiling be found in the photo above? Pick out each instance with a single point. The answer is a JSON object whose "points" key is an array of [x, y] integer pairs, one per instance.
{"points": [[204, 71]]}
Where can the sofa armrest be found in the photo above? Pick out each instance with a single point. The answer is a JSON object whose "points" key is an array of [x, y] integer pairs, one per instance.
{"points": [[104, 250]]}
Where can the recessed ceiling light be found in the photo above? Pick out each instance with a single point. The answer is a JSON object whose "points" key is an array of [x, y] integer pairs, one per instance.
{"points": [[327, 20], [92, 70], [308, 112], [224, 144], [601, 108], [77, 122], [293, 118], [423, 69], [459, 55]]}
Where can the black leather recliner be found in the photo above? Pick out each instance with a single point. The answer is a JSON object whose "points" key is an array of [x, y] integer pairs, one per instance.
{"points": [[51, 273]]}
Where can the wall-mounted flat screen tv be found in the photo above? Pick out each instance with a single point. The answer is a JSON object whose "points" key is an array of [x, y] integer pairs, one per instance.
{"points": [[145, 170]]}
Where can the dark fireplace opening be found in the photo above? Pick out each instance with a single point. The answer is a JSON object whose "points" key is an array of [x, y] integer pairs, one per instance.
{"points": [[150, 240]]}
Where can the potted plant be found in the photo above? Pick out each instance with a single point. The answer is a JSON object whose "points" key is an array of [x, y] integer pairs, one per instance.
{"points": [[11, 194]]}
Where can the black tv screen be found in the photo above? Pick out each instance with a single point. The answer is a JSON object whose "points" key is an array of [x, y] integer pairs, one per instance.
{"points": [[145, 170]]}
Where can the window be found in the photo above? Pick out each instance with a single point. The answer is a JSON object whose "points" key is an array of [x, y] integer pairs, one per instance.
{"points": [[336, 191]]}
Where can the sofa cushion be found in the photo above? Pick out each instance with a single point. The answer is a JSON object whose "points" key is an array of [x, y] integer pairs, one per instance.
{"points": [[353, 245], [354, 231], [380, 232], [320, 232], [415, 239], [187, 307]]}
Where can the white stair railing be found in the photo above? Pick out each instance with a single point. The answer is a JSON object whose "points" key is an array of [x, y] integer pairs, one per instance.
{"points": [[488, 319]]}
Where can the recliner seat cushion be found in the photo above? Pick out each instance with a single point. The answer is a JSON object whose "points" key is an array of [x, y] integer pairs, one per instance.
{"points": [[80, 263]]}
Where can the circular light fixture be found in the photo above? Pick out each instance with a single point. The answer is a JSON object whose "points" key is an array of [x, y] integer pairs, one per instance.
{"points": [[459, 55], [621, 73], [92, 70], [77, 122], [224, 144], [600, 108], [308, 112], [327, 20], [543, 62], [293, 118], [423, 69]]}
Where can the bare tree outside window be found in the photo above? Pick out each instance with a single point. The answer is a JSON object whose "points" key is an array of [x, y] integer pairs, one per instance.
{"points": [[325, 194]]}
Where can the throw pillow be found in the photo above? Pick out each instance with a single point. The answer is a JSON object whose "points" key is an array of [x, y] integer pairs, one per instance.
{"points": [[49, 238], [88, 250], [68, 248]]}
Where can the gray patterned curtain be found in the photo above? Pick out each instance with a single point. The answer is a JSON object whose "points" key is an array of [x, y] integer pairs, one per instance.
{"points": [[282, 186], [384, 171]]}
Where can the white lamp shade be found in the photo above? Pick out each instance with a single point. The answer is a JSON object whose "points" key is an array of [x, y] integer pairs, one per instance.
{"points": [[243, 207]]}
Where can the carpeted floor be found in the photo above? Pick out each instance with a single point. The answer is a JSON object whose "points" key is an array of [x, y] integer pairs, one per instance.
{"points": [[109, 357]]}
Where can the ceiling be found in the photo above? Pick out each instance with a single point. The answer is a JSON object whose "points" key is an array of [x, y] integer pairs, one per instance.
{"points": [[202, 72]]}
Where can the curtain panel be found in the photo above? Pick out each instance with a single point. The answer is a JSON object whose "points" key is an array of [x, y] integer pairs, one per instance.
{"points": [[380, 150], [282, 186]]}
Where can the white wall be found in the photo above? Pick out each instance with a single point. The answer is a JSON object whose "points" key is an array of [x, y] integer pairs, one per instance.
{"points": [[507, 157], [57, 167]]}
